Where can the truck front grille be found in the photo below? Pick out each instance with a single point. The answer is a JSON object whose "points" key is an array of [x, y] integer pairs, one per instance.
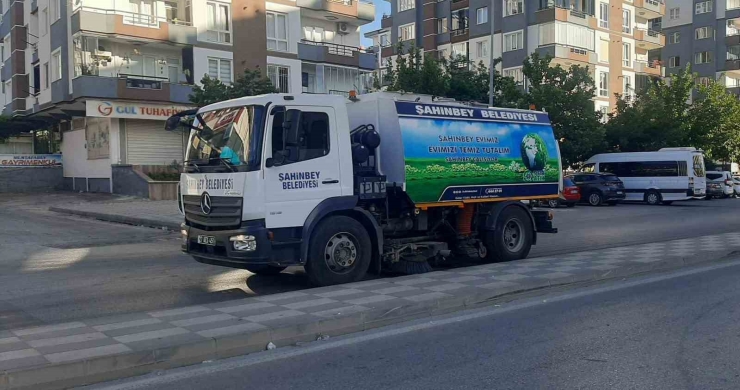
{"points": [[226, 212]]}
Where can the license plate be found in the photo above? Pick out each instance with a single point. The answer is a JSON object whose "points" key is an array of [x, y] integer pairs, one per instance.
{"points": [[207, 240], [619, 192]]}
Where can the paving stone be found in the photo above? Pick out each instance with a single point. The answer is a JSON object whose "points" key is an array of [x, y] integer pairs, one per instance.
{"points": [[76, 346], [83, 354], [138, 329]]}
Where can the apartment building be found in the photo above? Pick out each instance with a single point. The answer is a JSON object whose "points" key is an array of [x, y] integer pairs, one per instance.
{"points": [[103, 75], [613, 38], [705, 34]]}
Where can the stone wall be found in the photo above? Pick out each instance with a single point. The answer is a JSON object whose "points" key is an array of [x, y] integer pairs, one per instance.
{"points": [[127, 181], [31, 179]]}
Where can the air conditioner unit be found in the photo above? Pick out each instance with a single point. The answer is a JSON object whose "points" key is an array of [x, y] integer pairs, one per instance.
{"points": [[342, 28]]}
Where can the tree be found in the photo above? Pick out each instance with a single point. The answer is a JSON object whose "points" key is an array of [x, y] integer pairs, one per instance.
{"points": [[715, 123], [567, 97], [657, 118], [248, 84]]}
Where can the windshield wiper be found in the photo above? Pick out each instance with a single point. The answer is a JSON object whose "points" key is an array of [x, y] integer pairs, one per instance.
{"points": [[193, 164], [225, 161]]}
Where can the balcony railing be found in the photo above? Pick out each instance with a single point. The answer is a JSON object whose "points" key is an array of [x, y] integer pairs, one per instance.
{"points": [[337, 49], [137, 19], [143, 82], [344, 2], [655, 3], [458, 32]]}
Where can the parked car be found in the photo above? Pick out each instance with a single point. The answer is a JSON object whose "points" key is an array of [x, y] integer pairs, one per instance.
{"points": [[725, 180], [599, 188], [714, 190], [568, 197], [736, 185]]}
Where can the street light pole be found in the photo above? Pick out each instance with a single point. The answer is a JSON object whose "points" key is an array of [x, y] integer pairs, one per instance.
{"points": [[490, 54]]}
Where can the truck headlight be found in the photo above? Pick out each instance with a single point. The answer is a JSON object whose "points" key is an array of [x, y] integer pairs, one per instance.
{"points": [[244, 243]]}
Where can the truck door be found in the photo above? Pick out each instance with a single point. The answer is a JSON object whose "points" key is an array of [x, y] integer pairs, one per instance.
{"points": [[295, 187]]}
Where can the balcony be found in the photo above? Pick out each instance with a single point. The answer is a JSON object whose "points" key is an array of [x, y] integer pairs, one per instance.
{"points": [[649, 68], [649, 39], [386, 22], [123, 23], [732, 32], [732, 67], [649, 9], [332, 53], [363, 9], [567, 56], [459, 35], [135, 87]]}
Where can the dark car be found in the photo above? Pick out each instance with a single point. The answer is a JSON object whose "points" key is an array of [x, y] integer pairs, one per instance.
{"points": [[714, 190], [599, 188]]}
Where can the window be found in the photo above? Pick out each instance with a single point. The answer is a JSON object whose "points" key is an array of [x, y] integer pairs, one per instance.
{"points": [[6, 48], [627, 87], [54, 10], [481, 15], [733, 53], [641, 168], [703, 7], [460, 19], [405, 5], [317, 34], [385, 40], [142, 12], [280, 77], [604, 84], [219, 22], [703, 81], [514, 41], [733, 4], [173, 70], [513, 7], [604, 15], [277, 31], [674, 62], [603, 50], [626, 21], [514, 73], [674, 38], [407, 32], [604, 111], [8, 91], [674, 13], [460, 49], [313, 135], [219, 69], [46, 75], [627, 55], [56, 65], [481, 48], [44, 22], [703, 57], [441, 26], [704, 32]]}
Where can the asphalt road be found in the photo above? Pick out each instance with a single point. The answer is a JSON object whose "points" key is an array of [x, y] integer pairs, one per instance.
{"points": [[56, 268], [677, 331]]}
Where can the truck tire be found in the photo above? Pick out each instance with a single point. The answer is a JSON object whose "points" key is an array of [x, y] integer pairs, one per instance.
{"points": [[263, 269], [339, 252], [511, 238]]}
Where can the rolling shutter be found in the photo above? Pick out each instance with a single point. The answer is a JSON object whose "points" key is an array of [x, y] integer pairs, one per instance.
{"points": [[147, 143]]}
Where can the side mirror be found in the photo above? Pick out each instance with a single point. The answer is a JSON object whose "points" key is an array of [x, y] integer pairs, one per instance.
{"points": [[291, 124], [277, 159], [172, 123]]}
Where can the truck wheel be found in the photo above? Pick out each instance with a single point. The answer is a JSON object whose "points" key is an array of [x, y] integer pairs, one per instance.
{"points": [[653, 198], [263, 269], [511, 238], [339, 252]]}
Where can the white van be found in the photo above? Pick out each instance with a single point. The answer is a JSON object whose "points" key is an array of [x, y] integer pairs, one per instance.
{"points": [[664, 176]]}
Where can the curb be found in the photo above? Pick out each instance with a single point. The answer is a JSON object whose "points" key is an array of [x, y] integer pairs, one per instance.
{"points": [[152, 223], [99, 369]]}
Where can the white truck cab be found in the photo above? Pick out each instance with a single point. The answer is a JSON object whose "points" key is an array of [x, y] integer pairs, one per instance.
{"points": [[277, 180]]}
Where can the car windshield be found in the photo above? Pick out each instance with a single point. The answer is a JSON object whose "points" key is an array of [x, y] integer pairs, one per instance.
{"points": [[231, 135], [714, 176], [610, 178]]}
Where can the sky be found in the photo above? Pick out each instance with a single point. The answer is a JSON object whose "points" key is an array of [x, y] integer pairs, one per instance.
{"points": [[381, 7]]}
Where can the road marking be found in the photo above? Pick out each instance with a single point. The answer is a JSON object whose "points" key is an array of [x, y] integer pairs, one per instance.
{"points": [[152, 381]]}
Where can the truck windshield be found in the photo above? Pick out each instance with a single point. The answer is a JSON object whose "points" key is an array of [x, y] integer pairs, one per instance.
{"points": [[232, 137]]}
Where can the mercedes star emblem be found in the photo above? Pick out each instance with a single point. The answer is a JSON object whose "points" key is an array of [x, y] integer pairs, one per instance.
{"points": [[205, 203]]}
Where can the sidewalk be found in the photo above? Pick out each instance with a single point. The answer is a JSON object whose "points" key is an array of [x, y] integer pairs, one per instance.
{"points": [[89, 351], [156, 214]]}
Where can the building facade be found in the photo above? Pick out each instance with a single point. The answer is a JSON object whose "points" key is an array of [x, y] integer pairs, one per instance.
{"points": [[705, 34], [614, 38], [105, 74]]}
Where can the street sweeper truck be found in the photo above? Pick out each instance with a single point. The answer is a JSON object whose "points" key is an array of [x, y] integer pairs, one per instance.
{"points": [[383, 181]]}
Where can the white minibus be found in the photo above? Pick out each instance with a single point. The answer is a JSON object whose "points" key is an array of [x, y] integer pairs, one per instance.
{"points": [[661, 177]]}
